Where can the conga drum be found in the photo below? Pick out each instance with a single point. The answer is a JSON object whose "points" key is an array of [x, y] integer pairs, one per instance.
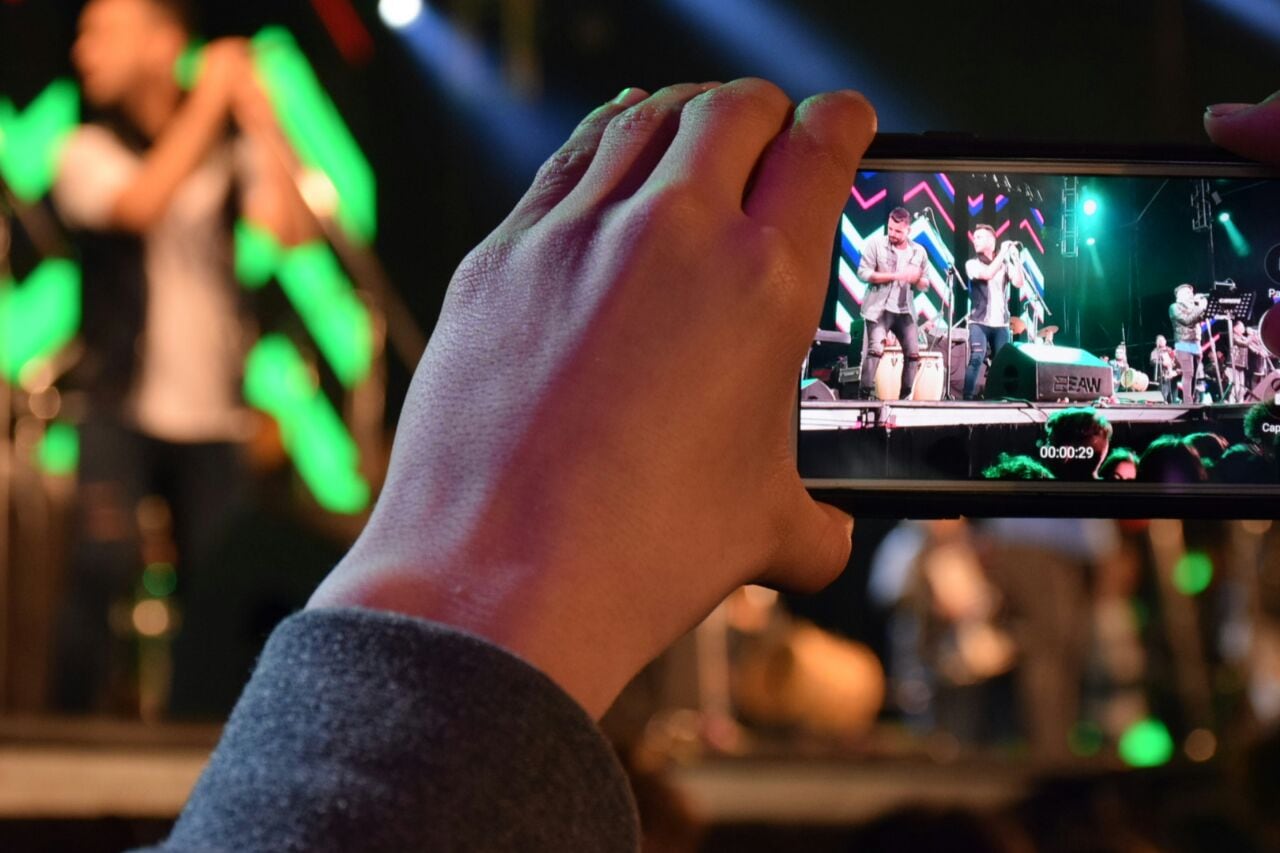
{"points": [[1133, 379], [931, 378], [889, 374]]}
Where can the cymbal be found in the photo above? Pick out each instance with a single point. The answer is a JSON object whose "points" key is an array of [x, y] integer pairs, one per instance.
{"points": [[1048, 330]]}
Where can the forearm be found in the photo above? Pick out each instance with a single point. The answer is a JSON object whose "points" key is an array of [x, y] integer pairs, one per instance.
{"points": [[185, 141], [275, 204]]}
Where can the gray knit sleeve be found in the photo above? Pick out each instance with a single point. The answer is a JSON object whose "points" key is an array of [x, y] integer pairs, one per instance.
{"points": [[370, 731]]}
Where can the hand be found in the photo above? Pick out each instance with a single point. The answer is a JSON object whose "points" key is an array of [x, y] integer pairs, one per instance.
{"points": [[227, 63], [589, 508], [251, 107]]}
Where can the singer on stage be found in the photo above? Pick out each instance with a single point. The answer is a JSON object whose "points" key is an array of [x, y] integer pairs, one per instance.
{"points": [[892, 264], [1186, 312], [991, 275]]}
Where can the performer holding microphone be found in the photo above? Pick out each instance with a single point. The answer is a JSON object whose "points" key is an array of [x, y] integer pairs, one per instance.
{"points": [[892, 264], [991, 275], [1186, 312]]}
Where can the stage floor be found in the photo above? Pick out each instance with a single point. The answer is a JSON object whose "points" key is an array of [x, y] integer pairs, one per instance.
{"points": [[856, 414]]}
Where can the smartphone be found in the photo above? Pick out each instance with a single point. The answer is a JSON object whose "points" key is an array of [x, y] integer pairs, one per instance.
{"points": [[1036, 330]]}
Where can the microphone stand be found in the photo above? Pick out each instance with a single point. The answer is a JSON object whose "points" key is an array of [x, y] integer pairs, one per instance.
{"points": [[953, 276]]}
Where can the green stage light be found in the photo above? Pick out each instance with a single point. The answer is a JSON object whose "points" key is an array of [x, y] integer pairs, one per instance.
{"points": [[1193, 573], [278, 382], [1238, 242], [31, 140], [1090, 207], [316, 130], [1146, 743], [160, 580], [319, 291], [1085, 739], [1091, 241], [58, 452], [38, 316]]}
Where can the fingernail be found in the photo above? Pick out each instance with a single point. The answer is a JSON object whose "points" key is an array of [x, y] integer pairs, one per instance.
{"points": [[1224, 110], [625, 95]]}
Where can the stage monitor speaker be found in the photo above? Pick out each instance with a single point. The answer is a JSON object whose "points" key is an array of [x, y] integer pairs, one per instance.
{"points": [[815, 391], [959, 363], [1266, 389], [1044, 372]]}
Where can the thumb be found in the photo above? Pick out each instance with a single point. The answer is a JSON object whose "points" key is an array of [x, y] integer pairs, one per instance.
{"points": [[1250, 130], [817, 540]]}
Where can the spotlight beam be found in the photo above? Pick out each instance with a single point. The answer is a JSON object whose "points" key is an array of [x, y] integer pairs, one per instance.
{"points": [[519, 134], [769, 40]]}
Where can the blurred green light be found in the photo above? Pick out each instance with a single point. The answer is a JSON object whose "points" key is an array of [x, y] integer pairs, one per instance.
{"points": [[257, 255], [316, 130], [1193, 573], [319, 291], [278, 382], [1146, 744], [334, 315], [31, 140], [58, 452], [1238, 243], [39, 316], [1090, 241], [1090, 207], [160, 580], [1085, 739]]}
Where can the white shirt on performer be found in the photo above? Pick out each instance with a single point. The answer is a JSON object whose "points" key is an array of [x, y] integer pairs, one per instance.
{"points": [[193, 344]]}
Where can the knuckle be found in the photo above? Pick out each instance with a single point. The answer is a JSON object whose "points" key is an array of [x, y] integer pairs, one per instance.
{"points": [[562, 167], [756, 99], [641, 117], [673, 210]]}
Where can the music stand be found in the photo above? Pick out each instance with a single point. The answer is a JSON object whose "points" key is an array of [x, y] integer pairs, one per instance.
{"points": [[1230, 305], [1226, 304]]}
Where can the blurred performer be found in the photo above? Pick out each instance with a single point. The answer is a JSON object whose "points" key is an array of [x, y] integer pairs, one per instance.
{"points": [[152, 188], [1164, 367], [1238, 372], [1185, 313], [992, 276], [1120, 364], [893, 265]]}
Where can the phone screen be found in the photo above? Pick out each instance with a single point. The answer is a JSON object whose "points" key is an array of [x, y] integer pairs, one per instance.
{"points": [[1084, 332]]}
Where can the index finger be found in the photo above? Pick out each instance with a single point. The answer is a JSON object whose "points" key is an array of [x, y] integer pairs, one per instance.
{"points": [[804, 176]]}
